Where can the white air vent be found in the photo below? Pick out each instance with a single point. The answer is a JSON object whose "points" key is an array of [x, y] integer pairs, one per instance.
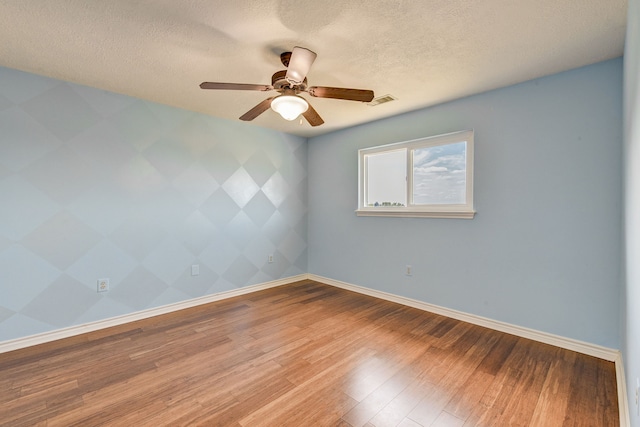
{"points": [[381, 100]]}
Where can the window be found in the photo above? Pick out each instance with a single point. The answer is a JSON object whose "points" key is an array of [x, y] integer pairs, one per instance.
{"points": [[428, 177]]}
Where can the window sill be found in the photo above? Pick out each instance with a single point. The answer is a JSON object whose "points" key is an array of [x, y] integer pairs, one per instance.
{"points": [[415, 214]]}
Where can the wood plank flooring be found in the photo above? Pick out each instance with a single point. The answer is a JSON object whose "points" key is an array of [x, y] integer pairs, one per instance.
{"points": [[304, 354]]}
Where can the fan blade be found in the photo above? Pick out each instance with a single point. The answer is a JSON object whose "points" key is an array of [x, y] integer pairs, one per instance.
{"points": [[257, 110], [312, 116], [341, 93], [234, 86], [299, 65]]}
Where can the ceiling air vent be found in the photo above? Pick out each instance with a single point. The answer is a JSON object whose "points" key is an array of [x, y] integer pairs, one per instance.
{"points": [[381, 100]]}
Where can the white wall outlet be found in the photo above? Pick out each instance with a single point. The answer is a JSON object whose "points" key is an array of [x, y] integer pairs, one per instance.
{"points": [[103, 285], [195, 270], [408, 270], [270, 259]]}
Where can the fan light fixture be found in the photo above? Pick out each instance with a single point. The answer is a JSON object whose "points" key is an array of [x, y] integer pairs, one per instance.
{"points": [[289, 106]]}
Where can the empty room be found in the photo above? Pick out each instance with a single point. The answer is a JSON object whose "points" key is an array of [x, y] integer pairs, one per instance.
{"points": [[320, 213]]}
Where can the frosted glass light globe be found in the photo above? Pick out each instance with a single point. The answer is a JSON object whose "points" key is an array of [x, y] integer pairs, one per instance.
{"points": [[289, 106]]}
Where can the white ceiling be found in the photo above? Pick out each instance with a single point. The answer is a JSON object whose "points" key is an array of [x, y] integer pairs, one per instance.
{"points": [[423, 52]]}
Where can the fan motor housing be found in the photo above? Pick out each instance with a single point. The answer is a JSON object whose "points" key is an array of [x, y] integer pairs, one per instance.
{"points": [[279, 82]]}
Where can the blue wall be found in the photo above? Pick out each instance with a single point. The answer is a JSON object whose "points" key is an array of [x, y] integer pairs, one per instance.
{"points": [[544, 249], [98, 185], [631, 292], [95, 184]]}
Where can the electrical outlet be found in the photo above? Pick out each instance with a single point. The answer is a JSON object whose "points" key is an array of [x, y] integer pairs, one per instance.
{"points": [[408, 271], [270, 258], [195, 270], [103, 285]]}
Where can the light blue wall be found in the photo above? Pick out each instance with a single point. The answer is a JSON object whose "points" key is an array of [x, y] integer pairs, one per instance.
{"points": [[95, 185], [631, 290], [544, 249]]}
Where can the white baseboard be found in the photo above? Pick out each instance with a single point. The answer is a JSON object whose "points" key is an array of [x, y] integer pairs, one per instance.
{"points": [[45, 337], [605, 353], [609, 354], [623, 402], [558, 341]]}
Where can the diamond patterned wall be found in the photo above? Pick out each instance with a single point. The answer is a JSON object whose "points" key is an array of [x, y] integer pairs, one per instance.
{"points": [[95, 184]]}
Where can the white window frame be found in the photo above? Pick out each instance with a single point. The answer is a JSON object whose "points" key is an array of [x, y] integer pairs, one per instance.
{"points": [[463, 211]]}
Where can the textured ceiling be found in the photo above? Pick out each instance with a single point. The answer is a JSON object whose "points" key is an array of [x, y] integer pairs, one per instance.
{"points": [[422, 52]]}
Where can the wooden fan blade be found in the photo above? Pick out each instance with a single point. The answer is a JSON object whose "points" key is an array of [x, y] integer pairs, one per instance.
{"points": [[257, 110], [313, 117], [341, 93], [234, 86]]}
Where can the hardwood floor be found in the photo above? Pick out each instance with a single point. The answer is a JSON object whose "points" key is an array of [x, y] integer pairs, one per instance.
{"points": [[304, 354]]}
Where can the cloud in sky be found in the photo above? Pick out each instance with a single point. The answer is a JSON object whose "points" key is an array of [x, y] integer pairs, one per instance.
{"points": [[439, 174], [429, 170]]}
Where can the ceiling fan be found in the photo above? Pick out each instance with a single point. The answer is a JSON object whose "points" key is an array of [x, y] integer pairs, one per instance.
{"points": [[290, 83]]}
